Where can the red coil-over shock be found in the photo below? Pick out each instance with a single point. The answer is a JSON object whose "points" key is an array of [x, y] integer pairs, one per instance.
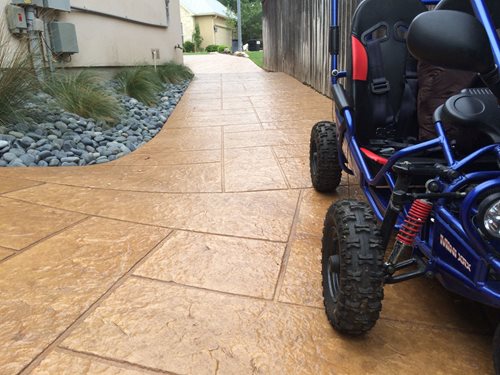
{"points": [[419, 213]]}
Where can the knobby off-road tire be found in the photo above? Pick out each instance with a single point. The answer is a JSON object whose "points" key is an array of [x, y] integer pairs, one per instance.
{"points": [[352, 267], [326, 172]]}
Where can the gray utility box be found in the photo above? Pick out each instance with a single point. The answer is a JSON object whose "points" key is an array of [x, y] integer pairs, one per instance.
{"points": [[16, 19], [63, 37], [35, 3], [62, 5]]}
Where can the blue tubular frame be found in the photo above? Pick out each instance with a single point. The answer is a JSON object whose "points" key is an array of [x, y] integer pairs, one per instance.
{"points": [[482, 13], [460, 231], [334, 23]]}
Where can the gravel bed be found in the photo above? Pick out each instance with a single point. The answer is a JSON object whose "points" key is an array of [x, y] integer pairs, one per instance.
{"points": [[64, 139]]}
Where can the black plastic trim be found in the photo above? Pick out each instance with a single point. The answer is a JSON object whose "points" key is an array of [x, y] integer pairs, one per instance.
{"points": [[340, 97], [334, 42]]}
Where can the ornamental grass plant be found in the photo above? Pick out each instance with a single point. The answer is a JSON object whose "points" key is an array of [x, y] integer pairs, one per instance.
{"points": [[141, 83], [174, 73], [83, 95], [17, 79]]}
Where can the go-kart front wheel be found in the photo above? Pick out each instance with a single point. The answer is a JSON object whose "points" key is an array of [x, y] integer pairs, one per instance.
{"points": [[352, 267], [324, 157]]}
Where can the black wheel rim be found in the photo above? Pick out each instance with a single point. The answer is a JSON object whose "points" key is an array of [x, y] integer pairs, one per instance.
{"points": [[333, 276]]}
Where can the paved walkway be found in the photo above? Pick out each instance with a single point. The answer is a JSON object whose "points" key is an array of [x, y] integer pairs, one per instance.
{"points": [[199, 254]]}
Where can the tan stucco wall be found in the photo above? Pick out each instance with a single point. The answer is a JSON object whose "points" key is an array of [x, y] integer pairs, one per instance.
{"points": [[152, 11], [207, 29], [224, 34], [109, 42], [187, 21], [105, 41]]}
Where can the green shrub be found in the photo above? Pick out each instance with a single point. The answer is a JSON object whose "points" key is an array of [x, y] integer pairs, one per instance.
{"points": [[212, 48], [188, 46], [174, 73], [197, 38], [82, 94], [17, 80], [141, 83], [222, 49]]}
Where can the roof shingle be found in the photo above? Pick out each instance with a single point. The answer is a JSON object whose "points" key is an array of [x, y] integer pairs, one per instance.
{"points": [[205, 7]]}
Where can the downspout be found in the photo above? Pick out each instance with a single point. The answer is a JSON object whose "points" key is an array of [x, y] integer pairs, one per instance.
{"points": [[34, 42], [48, 45], [213, 28]]}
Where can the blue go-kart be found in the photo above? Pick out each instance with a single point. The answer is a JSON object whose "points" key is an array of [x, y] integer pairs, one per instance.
{"points": [[433, 205]]}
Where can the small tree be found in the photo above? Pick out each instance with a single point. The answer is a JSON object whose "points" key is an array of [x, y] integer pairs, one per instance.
{"points": [[251, 14], [197, 38]]}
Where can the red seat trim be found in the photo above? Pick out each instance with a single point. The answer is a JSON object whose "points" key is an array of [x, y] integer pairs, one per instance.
{"points": [[359, 60], [373, 156]]}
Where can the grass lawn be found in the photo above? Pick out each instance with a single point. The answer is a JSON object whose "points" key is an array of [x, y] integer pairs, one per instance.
{"points": [[257, 57], [196, 53]]}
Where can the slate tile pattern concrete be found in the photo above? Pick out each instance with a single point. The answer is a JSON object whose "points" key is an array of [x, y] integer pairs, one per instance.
{"points": [[5, 253], [200, 253], [62, 362], [26, 223], [227, 264], [12, 184]]}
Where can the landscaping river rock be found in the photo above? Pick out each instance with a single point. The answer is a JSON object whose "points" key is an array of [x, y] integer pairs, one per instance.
{"points": [[66, 139]]}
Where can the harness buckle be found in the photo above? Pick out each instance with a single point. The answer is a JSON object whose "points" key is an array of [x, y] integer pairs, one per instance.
{"points": [[380, 86], [411, 75]]}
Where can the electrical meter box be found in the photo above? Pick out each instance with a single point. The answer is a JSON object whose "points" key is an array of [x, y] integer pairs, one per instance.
{"points": [[63, 37], [35, 3], [16, 19], [62, 5], [38, 24]]}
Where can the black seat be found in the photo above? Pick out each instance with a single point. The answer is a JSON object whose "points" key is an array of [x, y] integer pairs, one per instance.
{"points": [[379, 28], [476, 113], [477, 128]]}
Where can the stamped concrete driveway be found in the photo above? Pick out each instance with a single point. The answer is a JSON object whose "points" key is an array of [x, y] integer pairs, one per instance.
{"points": [[200, 254]]}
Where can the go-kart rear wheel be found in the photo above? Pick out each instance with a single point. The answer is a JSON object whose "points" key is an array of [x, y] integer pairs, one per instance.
{"points": [[324, 158], [352, 267]]}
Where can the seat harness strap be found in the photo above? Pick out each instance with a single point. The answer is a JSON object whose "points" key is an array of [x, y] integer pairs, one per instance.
{"points": [[408, 109], [379, 87], [389, 125]]}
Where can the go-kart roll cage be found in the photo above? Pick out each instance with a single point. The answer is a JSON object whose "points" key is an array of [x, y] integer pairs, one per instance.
{"points": [[344, 112], [386, 177], [479, 7]]}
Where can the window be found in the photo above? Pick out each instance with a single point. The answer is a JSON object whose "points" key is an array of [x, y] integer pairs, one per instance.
{"points": [[167, 8]]}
